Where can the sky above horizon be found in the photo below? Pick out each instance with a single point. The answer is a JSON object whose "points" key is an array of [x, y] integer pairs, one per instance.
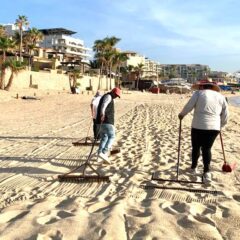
{"points": [[167, 31]]}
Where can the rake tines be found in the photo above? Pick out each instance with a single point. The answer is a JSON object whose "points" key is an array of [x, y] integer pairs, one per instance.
{"points": [[87, 141], [83, 178], [115, 151], [70, 176], [194, 190]]}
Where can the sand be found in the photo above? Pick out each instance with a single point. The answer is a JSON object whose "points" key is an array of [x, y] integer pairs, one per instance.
{"points": [[36, 145]]}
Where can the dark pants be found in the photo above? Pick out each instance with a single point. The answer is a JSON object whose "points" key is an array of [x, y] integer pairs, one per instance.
{"points": [[96, 130], [202, 139]]}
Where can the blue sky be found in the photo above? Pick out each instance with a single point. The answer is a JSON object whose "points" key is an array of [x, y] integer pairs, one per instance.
{"points": [[167, 31]]}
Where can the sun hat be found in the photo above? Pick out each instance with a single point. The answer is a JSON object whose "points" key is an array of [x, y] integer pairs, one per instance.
{"points": [[116, 91], [214, 85]]}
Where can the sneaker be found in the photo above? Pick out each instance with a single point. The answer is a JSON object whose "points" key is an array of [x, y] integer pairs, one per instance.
{"points": [[207, 177], [194, 171], [104, 156]]}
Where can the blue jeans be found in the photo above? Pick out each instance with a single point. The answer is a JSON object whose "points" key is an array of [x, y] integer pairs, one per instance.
{"points": [[107, 135]]}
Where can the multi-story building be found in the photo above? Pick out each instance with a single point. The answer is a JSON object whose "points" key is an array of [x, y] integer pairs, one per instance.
{"points": [[233, 77], [218, 76], [134, 59], [58, 47], [11, 29], [61, 41], [150, 67], [191, 72]]}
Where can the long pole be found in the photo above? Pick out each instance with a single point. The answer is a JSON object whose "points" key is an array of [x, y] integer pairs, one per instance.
{"points": [[179, 147], [224, 158]]}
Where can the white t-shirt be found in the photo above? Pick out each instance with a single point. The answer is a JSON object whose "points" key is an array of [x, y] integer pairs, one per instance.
{"points": [[210, 110], [95, 103]]}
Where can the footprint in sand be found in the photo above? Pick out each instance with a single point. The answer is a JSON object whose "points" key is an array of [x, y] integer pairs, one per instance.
{"points": [[64, 214], [102, 233], [100, 206], [47, 220], [236, 197], [186, 222], [53, 217], [11, 216]]}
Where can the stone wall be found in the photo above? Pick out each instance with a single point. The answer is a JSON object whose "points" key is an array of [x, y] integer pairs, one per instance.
{"points": [[55, 81]]}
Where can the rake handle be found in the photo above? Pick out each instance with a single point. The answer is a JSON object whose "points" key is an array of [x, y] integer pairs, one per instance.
{"points": [[179, 147], [88, 130], [224, 158], [90, 154]]}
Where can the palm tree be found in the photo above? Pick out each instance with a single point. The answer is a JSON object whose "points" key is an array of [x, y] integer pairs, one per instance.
{"points": [[2, 31], [98, 48], [119, 59], [31, 38], [109, 56], [104, 54], [20, 23], [139, 70], [15, 67], [5, 45], [73, 76]]}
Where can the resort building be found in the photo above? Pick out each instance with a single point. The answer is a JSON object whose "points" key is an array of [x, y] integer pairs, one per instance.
{"points": [[134, 59], [150, 68], [11, 29], [218, 76], [58, 49], [61, 41], [191, 72], [233, 77]]}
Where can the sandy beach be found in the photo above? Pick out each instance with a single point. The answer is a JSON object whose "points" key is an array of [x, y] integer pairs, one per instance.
{"points": [[36, 146]]}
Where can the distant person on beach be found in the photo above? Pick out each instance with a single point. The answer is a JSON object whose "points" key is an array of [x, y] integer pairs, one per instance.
{"points": [[94, 106], [210, 115], [105, 120]]}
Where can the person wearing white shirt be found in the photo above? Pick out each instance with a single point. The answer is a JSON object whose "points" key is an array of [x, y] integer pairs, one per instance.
{"points": [[210, 115], [94, 106]]}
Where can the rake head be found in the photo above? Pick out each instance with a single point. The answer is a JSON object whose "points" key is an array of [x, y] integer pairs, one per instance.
{"points": [[84, 142], [115, 151], [83, 178]]}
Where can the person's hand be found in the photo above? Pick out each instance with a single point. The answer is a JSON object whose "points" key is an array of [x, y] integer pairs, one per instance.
{"points": [[102, 118], [180, 116]]}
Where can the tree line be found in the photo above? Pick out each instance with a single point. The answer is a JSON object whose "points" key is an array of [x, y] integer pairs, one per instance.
{"points": [[107, 58], [26, 40]]}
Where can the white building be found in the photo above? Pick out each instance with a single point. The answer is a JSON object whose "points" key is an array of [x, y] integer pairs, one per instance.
{"points": [[235, 76], [134, 59], [150, 67], [61, 41], [11, 29]]}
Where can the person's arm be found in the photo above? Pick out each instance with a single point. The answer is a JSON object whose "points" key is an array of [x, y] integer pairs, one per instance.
{"points": [[224, 114], [189, 106], [107, 99]]}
